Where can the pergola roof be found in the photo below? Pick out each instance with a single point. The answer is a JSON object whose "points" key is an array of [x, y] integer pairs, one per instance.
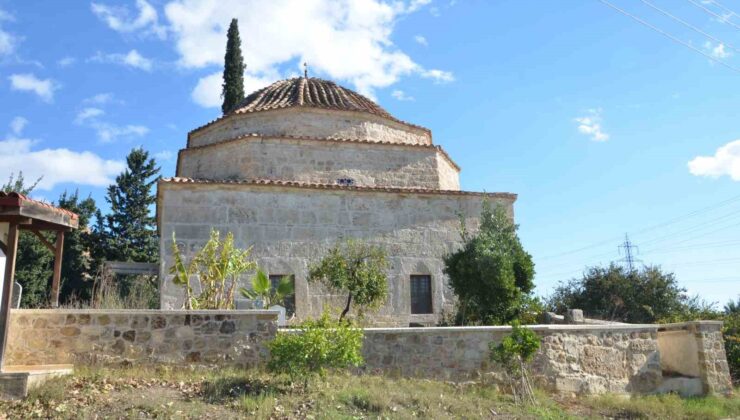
{"points": [[37, 214]]}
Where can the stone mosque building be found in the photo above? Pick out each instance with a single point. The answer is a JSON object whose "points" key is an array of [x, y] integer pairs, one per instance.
{"points": [[304, 163]]}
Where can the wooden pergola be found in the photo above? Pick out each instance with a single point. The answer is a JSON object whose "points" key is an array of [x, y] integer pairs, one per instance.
{"points": [[17, 213]]}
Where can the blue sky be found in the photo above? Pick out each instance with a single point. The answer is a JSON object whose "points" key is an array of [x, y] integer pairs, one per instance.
{"points": [[590, 116]]}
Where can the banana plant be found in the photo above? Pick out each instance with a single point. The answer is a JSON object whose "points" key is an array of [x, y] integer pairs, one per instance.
{"points": [[262, 289]]}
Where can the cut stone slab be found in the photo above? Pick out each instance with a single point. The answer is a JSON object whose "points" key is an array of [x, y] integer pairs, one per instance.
{"points": [[16, 381]]}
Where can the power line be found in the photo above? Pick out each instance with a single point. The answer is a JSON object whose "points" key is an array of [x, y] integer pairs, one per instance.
{"points": [[687, 24], [731, 12], [692, 229], [671, 37], [647, 229], [720, 17]]}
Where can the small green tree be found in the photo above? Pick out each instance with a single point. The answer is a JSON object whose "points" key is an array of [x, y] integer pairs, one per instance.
{"points": [[217, 267], [355, 268], [317, 346], [514, 354], [492, 274], [233, 85], [262, 289]]}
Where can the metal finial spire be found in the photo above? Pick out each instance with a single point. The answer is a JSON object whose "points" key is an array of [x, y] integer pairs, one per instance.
{"points": [[305, 70]]}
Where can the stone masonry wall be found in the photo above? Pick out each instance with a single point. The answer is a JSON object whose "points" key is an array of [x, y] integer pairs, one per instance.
{"points": [[40, 336], [311, 122], [572, 359], [320, 161], [711, 360], [290, 228]]}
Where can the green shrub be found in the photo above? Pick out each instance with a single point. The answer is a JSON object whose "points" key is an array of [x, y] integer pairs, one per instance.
{"points": [[317, 346], [731, 332], [513, 354]]}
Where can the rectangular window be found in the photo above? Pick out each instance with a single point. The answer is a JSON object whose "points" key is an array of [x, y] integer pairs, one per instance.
{"points": [[289, 301], [421, 294]]}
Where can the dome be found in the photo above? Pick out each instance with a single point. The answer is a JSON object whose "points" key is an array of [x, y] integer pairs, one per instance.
{"points": [[308, 92]]}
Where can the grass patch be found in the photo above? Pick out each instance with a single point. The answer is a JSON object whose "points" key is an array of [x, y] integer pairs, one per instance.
{"points": [[232, 393]]}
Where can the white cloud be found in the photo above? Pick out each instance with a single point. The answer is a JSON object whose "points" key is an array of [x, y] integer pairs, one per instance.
{"points": [[421, 40], [54, 166], [439, 76], [8, 41], [207, 92], [17, 125], [345, 40], [717, 51], [99, 99], [130, 59], [108, 132], [590, 125], [66, 61], [30, 83], [87, 114], [401, 95], [121, 19], [164, 155], [726, 161]]}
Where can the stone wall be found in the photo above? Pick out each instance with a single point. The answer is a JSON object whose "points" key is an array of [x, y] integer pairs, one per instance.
{"points": [[42, 337], [290, 228], [706, 358], [321, 161], [311, 122], [572, 359]]}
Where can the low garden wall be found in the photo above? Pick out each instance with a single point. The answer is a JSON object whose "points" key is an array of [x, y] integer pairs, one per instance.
{"points": [[59, 336], [578, 359], [573, 359]]}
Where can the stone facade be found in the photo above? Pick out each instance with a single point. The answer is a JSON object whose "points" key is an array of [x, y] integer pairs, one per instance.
{"points": [[303, 164], [321, 161], [290, 228], [310, 122], [50, 337]]}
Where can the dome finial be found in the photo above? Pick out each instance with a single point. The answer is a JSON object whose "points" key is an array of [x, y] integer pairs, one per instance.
{"points": [[305, 70]]}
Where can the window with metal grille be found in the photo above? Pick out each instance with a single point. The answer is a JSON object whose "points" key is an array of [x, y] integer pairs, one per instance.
{"points": [[421, 294], [289, 301]]}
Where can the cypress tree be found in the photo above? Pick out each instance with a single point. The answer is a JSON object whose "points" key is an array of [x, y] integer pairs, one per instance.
{"points": [[233, 85], [130, 228]]}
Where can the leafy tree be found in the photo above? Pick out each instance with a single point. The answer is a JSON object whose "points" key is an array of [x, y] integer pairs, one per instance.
{"points": [[34, 262], [262, 289], [233, 85], [492, 274], [733, 307], [78, 268], [355, 268], [129, 232], [217, 266], [618, 294], [316, 347]]}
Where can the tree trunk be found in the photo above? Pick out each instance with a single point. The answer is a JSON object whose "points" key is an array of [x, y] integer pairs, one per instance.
{"points": [[346, 308]]}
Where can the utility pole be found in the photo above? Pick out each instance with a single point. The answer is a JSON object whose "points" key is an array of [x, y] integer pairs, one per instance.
{"points": [[629, 258]]}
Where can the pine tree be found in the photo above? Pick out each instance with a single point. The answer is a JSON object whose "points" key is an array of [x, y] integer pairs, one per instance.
{"points": [[233, 85], [78, 267], [130, 228]]}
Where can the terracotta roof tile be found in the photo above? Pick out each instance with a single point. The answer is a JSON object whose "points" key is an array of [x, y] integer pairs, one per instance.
{"points": [[309, 92], [320, 186], [16, 199]]}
